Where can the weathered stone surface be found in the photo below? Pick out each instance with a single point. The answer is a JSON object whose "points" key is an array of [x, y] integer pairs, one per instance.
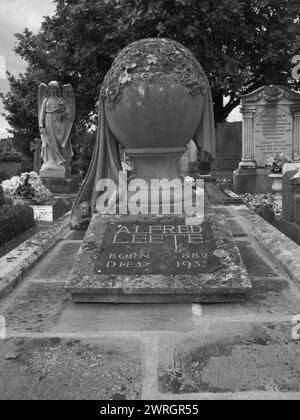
{"points": [[36, 309], [254, 263], [252, 180], [228, 147], [219, 197], [273, 128], [62, 185], [285, 251], [270, 116], [228, 281], [57, 266], [231, 357], [63, 369], [290, 187], [15, 264], [52, 212], [56, 115], [271, 121], [291, 230], [154, 100], [222, 351]]}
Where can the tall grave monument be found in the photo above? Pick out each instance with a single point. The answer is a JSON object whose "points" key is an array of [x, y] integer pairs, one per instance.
{"points": [[56, 118], [271, 126], [153, 101]]}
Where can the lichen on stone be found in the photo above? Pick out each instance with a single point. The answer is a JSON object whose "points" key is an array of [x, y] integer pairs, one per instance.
{"points": [[151, 60]]}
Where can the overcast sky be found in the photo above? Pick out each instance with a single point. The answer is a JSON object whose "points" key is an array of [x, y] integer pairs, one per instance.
{"points": [[15, 16]]}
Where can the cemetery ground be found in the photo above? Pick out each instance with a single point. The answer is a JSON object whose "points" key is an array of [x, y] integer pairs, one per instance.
{"points": [[56, 349]]}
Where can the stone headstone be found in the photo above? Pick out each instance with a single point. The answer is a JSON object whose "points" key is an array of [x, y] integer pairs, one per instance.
{"points": [[289, 189], [188, 163], [7, 146], [271, 126], [228, 147], [290, 222]]}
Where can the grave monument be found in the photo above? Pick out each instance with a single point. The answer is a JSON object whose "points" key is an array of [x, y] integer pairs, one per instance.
{"points": [[290, 222], [153, 101], [56, 118], [271, 126], [228, 148]]}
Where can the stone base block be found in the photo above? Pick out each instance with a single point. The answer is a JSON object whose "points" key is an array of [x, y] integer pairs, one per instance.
{"points": [[224, 164], [62, 185], [135, 259], [290, 229], [48, 173], [252, 180]]}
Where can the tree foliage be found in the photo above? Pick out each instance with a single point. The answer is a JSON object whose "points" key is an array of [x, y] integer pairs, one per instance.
{"points": [[241, 44]]}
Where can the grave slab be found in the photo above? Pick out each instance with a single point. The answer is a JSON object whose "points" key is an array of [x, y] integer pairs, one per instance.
{"points": [[136, 259]]}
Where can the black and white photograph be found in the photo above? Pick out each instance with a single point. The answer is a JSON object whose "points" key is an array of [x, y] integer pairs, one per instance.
{"points": [[149, 203]]}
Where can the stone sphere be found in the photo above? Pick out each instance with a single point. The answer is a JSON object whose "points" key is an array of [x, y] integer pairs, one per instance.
{"points": [[154, 95]]}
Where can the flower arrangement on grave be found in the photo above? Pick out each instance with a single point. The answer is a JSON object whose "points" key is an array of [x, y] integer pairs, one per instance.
{"points": [[191, 180], [276, 162], [28, 186], [59, 110]]}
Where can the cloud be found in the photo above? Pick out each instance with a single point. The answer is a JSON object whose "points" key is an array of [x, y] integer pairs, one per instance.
{"points": [[18, 14], [15, 16]]}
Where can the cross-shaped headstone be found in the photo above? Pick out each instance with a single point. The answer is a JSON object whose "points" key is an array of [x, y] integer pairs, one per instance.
{"points": [[35, 146]]}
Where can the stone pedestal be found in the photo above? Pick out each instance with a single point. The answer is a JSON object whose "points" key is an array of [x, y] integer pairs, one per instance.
{"points": [[252, 180], [50, 173], [156, 163], [62, 185], [276, 182], [131, 259]]}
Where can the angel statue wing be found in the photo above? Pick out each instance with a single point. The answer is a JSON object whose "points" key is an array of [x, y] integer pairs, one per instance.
{"points": [[42, 94], [70, 103]]}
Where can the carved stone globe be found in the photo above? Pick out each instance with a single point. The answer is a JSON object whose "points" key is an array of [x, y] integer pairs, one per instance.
{"points": [[156, 95]]}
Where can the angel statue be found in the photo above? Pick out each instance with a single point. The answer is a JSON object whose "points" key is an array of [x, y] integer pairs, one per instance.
{"points": [[56, 119]]}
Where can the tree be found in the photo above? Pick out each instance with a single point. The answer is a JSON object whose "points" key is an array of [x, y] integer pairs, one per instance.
{"points": [[21, 104], [241, 44]]}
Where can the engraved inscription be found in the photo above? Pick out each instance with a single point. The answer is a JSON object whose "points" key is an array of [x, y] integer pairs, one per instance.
{"points": [[273, 133], [145, 248]]}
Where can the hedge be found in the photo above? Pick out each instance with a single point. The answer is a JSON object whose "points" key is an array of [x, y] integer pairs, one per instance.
{"points": [[13, 221], [10, 157]]}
